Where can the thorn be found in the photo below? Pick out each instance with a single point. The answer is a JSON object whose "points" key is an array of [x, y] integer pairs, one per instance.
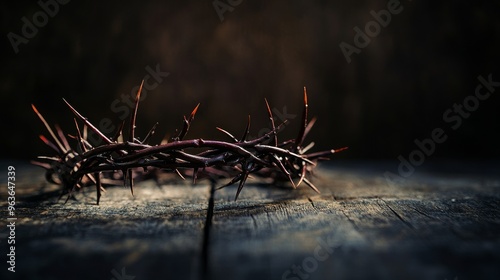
{"points": [[283, 169], [339, 150], [134, 114], [79, 137], [150, 133], [301, 135], [165, 139], [89, 124], [247, 130], [51, 132], [60, 133], [193, 113], [307, 148], [227, 133], [195, 175], [323, 154], [187, 124], [85, 133], [179, 173], [271, 118], [309, 127], [70, 193], [242, 184], [48, 143], [311, 185], [131, 181], [98, 185], [118, 132], [302, 175]]}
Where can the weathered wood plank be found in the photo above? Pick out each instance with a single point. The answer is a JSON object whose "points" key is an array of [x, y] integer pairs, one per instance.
{"points": [[411, 231], [435, 225]]}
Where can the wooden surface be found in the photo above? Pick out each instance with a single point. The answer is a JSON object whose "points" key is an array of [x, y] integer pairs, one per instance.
{"points": [[443, 222]]}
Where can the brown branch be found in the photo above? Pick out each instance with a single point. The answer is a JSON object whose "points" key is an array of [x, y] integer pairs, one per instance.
{"points": [[88, 165]]}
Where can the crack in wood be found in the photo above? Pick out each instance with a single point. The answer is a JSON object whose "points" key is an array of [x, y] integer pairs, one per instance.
{"points": [[269, 222], [374, 197], [349, 219], [206, 233], [425, 214], [399, 216], [254, 221]]}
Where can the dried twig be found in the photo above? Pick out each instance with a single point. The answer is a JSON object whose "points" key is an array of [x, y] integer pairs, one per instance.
{"points": [[263, 156]]}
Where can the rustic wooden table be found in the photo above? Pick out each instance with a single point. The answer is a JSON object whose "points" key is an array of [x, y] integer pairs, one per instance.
{"points": [[443, 222]]}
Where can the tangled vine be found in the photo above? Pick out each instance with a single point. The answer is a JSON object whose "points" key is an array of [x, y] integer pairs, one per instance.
{"points": [[264, 156]]}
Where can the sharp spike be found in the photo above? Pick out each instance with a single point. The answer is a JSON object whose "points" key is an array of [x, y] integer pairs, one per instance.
{"points": [[51, 132], [79, 137], [307, 148], [300, 136], [234, 180], [118, 132], [193, 113], [89, 124], [134, 114], [283, 152], [311, 185], [271, 118], [179, 174], [131, 181], [124, 174], [165, 139], [85, 133], [91, 178], [41, 164], [340, 150], [70, 193], [150, 133], [302, 175], [186, 124], [317, 155], [242, 184], [195, 175], [227, 133], [67, 198], [60, 133], [283, 169], [48, 143], [247, 130], [265, 136], [98, 185], [309, 127]]}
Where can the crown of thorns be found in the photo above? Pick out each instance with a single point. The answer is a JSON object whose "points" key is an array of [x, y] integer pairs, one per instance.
{"points": [[265, 156]]}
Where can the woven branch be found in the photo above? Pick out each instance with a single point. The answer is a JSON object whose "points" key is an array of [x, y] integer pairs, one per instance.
{"points": [[265, 156]]}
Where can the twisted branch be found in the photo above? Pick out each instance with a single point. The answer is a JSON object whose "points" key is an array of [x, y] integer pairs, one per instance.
{"points": [[264, 156]]}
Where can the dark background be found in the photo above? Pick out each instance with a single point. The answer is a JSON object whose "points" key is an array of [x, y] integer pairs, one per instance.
{"points": [[395, 91]]}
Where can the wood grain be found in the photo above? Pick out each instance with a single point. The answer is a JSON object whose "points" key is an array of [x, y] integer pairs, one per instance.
{"points": [[443, 222]]}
